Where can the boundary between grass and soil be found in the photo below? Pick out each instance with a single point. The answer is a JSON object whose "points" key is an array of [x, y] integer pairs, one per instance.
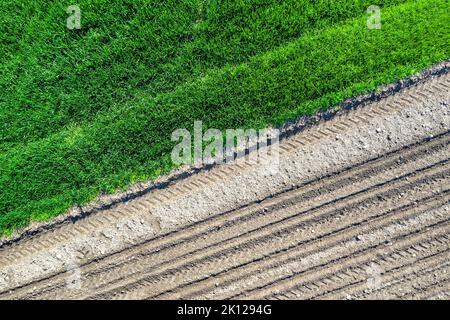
{"points": [[289, 129]]}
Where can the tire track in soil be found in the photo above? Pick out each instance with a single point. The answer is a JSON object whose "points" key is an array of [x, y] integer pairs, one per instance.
{"points": [[316, 240]]}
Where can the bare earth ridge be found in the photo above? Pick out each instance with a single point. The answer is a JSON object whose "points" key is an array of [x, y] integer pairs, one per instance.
{"points": [[359, 207]]}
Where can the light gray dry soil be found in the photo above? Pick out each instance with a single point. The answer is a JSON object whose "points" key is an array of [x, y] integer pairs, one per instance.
{"points": [[357, 207]]}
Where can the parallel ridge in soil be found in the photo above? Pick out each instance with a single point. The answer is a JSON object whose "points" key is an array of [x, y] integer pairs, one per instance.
{"points": [[375, 226], [362, 233]]}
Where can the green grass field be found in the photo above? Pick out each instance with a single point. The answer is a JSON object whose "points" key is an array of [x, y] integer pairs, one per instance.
{"points": [[90, 111]]}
